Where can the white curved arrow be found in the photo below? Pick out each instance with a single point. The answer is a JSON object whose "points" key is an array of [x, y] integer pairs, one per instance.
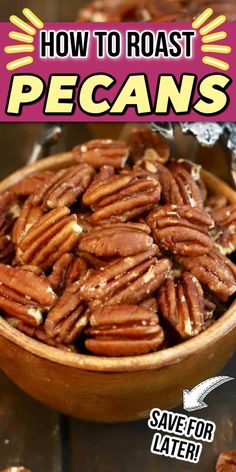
{"points": [[193, 399]]}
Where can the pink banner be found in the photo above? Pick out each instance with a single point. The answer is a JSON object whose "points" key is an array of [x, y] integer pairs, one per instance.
{"points": [[118, 72]]}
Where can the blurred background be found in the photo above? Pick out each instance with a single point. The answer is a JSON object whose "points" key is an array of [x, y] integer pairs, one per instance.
{"points": [[16, 140]]}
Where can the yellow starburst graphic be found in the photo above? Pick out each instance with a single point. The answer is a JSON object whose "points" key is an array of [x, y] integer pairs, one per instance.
{"points": [[27, 38], [209, 40]]}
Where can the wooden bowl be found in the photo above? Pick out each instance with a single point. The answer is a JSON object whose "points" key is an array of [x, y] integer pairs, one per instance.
{"points": [[114, 389]]}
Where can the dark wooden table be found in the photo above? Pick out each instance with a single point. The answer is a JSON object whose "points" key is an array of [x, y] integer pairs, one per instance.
{"points": [[41, 439], [34, 436]]}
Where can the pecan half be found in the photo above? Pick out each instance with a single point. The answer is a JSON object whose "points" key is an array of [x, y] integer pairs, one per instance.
{"points": [[170, 192], [148, 145], [209, 308], [31, 183], [91, 260], [226, 462], [188, 187], [225, 216], [216, 202], [102, 152], [122, 197], [225, 230], [63, 187], [24, 295], [57, 278], [78, 268], [124, 239], [8, 201], [69, 316], [150, 304], [179, 187], [131, 10], [214, 271], [29, 215], [126, 280], [124, 330], [9, 210], [181, 166], [67, 270], [39, 334], [104, 173], [181, 303], [54, 234], [181, 230], [83, 221]]}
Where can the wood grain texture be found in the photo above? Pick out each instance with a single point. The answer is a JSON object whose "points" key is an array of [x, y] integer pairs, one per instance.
{"points": [[32, 435], [125, 447], [29, 432]]}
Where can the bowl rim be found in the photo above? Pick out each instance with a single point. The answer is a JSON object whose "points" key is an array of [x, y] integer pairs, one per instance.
{"points": [[152, 361]]}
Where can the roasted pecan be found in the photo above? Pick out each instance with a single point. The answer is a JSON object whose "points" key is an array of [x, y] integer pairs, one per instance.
{"points": [[29, 215], [24, 295], [8, 200], [179, 187], [150, 304], [104, 173], [181, 303], [7, 248], [216, 202], [229, 8], [122, 239], [147, 145], [195, 171], [179, 15], [34, 269], [78, 268], [39, 334], [92, 261], [16, 469], [187, 177], [131, 10], [124, 330], [209, 308], [57, 278], [69, 316], [224, 233], [181, 229], [28, 185], [170, 192], [67, 270], [214, 271], [83, 221], [54, 234], [226, 462], [9, 210], [225, 216], [122, 197], [63, 187], [102, 152], [42, 336], [126, 280]]}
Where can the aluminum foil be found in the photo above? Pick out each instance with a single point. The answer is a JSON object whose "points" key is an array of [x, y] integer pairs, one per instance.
{"points": [[206, 134]]}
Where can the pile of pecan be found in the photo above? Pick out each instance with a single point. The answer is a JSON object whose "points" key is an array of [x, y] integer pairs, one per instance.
{"points": [[152, 10], [123, 253], [226, 462]]}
